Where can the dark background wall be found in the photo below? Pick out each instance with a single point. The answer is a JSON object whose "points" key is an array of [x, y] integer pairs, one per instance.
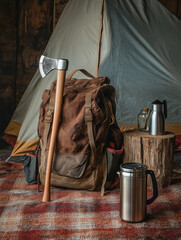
{"points": [[25, 27]]}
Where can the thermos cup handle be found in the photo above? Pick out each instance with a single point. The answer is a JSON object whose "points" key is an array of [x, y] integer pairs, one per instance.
{"points": [[155, 188], [165, 108]]}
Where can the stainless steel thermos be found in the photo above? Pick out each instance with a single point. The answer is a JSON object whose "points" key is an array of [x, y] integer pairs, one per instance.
{"points": [[133, 191], [157, 118]]}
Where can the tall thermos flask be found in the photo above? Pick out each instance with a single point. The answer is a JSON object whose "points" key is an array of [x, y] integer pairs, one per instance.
{"points": [[133, 191], [157, 118]]}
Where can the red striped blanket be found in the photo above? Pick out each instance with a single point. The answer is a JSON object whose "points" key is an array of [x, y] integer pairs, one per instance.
{"points": [[80, 214]]}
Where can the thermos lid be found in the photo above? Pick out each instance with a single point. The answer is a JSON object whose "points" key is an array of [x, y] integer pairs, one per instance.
{"points": [[133, 167], [157, 102]]}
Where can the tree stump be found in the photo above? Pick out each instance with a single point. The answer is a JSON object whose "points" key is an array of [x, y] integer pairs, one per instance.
{"points": [[157, 152]]}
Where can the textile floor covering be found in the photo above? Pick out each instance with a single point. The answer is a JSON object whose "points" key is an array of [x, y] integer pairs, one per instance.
{"points": [[81, 214]]}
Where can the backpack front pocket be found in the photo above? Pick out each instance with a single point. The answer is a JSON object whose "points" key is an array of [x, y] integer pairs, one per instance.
{"points": [[70, 165]]}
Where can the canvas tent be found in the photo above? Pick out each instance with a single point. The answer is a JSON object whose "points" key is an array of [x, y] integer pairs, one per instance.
{"points": [[134, 43]]}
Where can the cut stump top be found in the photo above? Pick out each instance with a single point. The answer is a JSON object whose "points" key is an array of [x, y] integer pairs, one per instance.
{"points": [[137, 133]]}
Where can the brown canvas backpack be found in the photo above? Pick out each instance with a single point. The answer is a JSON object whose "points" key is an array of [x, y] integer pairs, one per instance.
{"points": [[84, 158]]}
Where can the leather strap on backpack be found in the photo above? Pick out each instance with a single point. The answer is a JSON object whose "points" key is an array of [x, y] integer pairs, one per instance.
{"points": [[80, 70], [104, 165], [88, 120]]}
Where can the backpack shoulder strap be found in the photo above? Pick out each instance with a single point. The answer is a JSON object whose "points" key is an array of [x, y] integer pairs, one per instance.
{"points": [[48, 121]]}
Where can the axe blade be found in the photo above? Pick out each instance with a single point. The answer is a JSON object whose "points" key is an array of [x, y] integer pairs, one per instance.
{"points": [[47, 64]]}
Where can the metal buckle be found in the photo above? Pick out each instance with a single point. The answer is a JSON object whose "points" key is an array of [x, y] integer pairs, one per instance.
{"points": [[88, 115], [49, 116]]}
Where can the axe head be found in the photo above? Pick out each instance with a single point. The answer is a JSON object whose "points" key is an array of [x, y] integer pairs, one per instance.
{"points": [[47, 64]]}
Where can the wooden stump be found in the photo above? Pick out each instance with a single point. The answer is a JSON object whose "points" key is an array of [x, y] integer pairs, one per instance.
{"points": [[157, 152]]}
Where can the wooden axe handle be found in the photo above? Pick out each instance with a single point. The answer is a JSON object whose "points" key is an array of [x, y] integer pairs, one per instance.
{"points": [[56, 119]]}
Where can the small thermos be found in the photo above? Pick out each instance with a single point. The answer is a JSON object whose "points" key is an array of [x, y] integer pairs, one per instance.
{"points": [[157, 118], [133, 191]]}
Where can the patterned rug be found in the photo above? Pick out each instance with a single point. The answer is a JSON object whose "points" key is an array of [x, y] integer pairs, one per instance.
{"points": [[81, 214]]}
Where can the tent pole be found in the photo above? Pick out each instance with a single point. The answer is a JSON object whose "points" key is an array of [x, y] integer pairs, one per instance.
{"points": [[100, 40]]}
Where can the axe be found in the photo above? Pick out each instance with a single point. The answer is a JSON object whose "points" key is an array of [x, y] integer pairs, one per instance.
{"points": [[45, 66]]}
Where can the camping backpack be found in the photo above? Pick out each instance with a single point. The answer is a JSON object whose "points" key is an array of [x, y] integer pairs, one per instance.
{"points": [[89, 142]]}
